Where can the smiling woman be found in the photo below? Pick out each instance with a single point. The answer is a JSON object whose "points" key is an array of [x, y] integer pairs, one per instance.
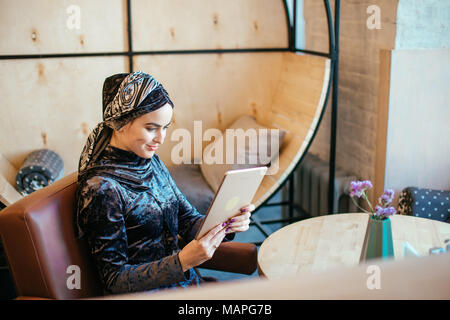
{"points": [[128, 207], [144, 135]]}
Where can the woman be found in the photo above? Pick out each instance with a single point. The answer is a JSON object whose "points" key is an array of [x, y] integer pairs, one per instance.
{"points": [[128, 206]]}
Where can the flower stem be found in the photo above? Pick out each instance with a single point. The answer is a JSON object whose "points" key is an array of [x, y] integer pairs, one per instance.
{"points": [[358, 205], [368, 202]]}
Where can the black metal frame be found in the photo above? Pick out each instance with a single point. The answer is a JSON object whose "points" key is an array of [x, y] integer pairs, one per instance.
{"points": [[333, 30]]}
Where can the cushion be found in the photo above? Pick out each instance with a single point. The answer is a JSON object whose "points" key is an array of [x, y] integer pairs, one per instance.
{"points": [[191, 183], [260, 146], [425, 203]]}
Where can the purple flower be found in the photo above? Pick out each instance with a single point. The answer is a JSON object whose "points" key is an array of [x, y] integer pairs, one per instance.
{"points": [[391, 211], [386, 197], [366, 184], [357, 187], [380, 211]]}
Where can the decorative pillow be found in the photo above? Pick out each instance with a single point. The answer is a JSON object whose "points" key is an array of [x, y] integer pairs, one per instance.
{"points": [[245, 144], [425, 203], [191, 183]]}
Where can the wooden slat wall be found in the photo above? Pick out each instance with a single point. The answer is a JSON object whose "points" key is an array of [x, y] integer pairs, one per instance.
{"points": [[208, 24], [40, 26]]}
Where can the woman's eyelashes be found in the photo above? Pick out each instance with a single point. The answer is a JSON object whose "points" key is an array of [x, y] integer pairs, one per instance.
{"points": [[153, 129]]}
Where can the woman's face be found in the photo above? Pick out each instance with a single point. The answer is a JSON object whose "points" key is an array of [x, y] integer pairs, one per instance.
{"points": [[145, 134]]}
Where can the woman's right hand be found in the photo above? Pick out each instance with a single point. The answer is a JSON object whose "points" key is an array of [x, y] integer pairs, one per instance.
{"points": [[198, 251]]}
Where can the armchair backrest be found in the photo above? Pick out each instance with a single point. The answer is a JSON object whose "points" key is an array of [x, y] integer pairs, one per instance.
{"points": [[45, 258]]}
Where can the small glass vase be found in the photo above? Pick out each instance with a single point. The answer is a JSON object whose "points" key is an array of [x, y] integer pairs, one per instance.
{"points": [[378, 242]]}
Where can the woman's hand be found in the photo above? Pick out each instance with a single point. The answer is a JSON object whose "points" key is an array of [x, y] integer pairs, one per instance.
{"points": [[241, 222], [198, 251]]}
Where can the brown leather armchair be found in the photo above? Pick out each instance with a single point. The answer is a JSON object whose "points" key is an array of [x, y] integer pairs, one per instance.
{"points": [[38, 237]]}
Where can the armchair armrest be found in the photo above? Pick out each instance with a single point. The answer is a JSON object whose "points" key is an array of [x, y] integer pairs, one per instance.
{"points": [[237, 257]]}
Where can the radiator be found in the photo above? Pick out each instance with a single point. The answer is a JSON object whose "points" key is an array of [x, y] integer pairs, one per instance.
{"points": [[311, 187]]}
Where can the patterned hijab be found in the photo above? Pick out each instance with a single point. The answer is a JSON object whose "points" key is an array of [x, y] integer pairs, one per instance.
{"points": [[125, 98]]}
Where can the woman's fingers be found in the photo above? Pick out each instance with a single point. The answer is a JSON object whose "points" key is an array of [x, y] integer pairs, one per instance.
{"points": [[198, 251], [241, 217], [213, 232], [218, 237], [213, 238], [237, 229], [241, 222], [250, 207]]}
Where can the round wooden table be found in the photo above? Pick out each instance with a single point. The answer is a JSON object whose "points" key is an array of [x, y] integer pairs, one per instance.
{"points": [[324, 242]]}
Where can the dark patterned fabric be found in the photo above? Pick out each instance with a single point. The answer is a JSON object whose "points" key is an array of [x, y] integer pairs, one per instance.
{"points": [[125, 97], [425, 203], [131, 211]]}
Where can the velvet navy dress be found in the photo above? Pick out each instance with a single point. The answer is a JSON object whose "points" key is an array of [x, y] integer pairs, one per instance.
{"points": [[130, 211]]}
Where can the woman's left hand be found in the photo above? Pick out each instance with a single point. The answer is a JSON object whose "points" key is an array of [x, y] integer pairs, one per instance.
{"points": [[240, 222]]}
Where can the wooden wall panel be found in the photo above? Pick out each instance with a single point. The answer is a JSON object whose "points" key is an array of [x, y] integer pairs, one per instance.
{"points": [[214, 88], [52, 103], [382, 119], [40, 26], [208, 24]]}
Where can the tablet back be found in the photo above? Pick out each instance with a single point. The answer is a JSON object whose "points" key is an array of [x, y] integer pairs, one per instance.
{"points": [[237, 190]]}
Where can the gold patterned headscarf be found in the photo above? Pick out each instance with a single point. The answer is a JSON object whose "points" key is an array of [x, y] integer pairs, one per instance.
{"points": [[125, 98]]}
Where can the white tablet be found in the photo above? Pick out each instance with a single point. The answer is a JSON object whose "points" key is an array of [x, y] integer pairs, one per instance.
{"points": [[237, 190]]}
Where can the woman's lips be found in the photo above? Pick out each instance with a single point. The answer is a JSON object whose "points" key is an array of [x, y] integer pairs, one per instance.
{"points": [[152, 148]]}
